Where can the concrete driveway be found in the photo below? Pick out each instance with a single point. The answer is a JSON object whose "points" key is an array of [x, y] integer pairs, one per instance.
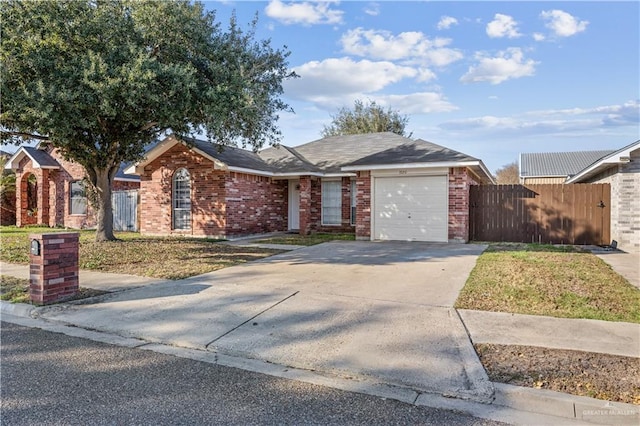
{"points": [[380, 312]]}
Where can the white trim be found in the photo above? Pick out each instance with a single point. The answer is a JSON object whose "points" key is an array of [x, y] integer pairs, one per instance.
{"points": [[248, 171], [126, 179], [619, 157], [19, 155], [476, 163], [413, 165]]}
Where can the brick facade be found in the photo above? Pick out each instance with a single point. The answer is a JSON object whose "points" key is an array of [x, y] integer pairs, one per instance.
{"points": [[223, 203], [53, 273], [625, 202], [363, 206], [459, 182], [53, 200]]}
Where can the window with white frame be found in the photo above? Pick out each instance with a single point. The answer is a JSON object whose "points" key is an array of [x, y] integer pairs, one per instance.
{"points": [[181, 199], [331, 202], [353, 201], [78, 198]]}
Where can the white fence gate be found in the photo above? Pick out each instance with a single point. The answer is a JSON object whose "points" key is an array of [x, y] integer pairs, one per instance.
{"points": [[125, 210]]}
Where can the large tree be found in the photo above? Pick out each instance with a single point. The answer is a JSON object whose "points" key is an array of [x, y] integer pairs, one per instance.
{"points": [[508, 174], [101, 79], [366, 118]]}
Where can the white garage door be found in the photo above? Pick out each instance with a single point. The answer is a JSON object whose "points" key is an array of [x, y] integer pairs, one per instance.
{"points": [[411, 208]]}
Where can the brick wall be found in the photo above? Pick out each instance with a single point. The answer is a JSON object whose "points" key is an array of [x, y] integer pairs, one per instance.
{"points": [[625, 203], [363, 206], [53, 274], [459, 182], [255, 204], [222, 203]]}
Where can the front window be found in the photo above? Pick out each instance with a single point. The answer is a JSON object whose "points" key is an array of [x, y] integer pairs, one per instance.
{"points": [[181, 200], [331, 202], [78, 198]]}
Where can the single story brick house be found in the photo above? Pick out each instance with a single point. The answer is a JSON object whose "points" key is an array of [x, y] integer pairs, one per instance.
{"points": [[50, 190], [380, 186]]}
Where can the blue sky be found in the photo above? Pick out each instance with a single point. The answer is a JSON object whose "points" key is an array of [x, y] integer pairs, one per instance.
{"points": [[490, 79]]}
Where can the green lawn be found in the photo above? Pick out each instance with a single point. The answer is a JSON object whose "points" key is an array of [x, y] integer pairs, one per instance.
{"points": [[551, 281], [170, 257]]}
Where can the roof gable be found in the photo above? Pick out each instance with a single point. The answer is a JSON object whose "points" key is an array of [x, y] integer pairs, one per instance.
{"points": [[40, 159], [621, 156]]}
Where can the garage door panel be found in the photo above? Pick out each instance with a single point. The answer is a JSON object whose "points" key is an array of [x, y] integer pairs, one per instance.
{"points": [[411, 208]]}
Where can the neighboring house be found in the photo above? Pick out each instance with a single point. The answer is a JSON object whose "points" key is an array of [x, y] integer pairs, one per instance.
{"points": [[380, 186], [555, 167], [50, 190], [8, 194], [620, 169]]}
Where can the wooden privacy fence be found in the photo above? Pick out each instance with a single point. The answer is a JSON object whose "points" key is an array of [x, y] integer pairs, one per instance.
{"points": [[552, 214]]}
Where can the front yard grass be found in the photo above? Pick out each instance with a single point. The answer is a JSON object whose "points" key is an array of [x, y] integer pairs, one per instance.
{"points": [[170, 258], [561, 282], [306, 240], [16, 290]]}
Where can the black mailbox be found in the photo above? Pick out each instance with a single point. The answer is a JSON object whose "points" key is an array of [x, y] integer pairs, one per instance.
{"points": [[35, 247]]}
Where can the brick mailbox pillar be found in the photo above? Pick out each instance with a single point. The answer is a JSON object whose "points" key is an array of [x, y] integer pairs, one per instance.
{"points": [[53, 273]]}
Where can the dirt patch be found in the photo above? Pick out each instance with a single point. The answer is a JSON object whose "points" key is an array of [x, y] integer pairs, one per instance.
{"points": [[607, 377]]}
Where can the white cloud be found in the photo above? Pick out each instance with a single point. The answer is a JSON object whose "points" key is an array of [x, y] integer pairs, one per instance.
{"points": [[446, 22], [336, 82], [304, 13], [411, 45], [417, 103], [562, 23], [342, 76], [538, 36], [559, 121], [502, 26], [372, 9], [508, 64]]}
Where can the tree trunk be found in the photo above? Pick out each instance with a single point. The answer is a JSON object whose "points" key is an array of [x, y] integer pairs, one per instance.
{"points": [[102, 183]]}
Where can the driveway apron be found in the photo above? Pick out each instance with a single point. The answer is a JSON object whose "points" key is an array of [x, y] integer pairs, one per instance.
{"points": [[367, 310]]}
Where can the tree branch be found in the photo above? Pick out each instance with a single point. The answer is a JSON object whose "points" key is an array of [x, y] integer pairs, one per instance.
{"points": [[148, 126], [26, 135]]}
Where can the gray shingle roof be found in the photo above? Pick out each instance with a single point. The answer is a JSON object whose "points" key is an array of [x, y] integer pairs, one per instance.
{"points": [[558, 163], [231, 156], [330, 154], [41, 157]]}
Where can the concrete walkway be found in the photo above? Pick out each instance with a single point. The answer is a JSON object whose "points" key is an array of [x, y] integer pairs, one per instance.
{"points": [[626, 264], [615, 338]]}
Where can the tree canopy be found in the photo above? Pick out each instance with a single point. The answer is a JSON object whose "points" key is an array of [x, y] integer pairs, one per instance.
{"points": [[366, 118], [508, 174], [101, 79]]}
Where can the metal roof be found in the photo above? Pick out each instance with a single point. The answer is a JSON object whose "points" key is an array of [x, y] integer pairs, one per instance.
{"points": [[558, 164]]}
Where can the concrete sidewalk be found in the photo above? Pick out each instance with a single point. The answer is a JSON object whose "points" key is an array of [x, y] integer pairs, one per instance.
{"points": [[615, 338], [626, 264]]}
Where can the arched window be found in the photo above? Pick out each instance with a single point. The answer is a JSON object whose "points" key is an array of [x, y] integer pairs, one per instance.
{"points": [[181, 199]]}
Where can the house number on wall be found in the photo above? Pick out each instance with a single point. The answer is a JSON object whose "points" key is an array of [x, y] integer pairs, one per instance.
{"points": [[402, 172]]}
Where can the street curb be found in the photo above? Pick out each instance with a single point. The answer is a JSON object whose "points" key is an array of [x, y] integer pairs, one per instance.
{"points": [[512, 404], [17, 309], [568, 406]]}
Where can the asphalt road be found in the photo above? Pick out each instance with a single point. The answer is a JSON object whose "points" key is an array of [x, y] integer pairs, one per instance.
{"points": [[49, 378]]}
